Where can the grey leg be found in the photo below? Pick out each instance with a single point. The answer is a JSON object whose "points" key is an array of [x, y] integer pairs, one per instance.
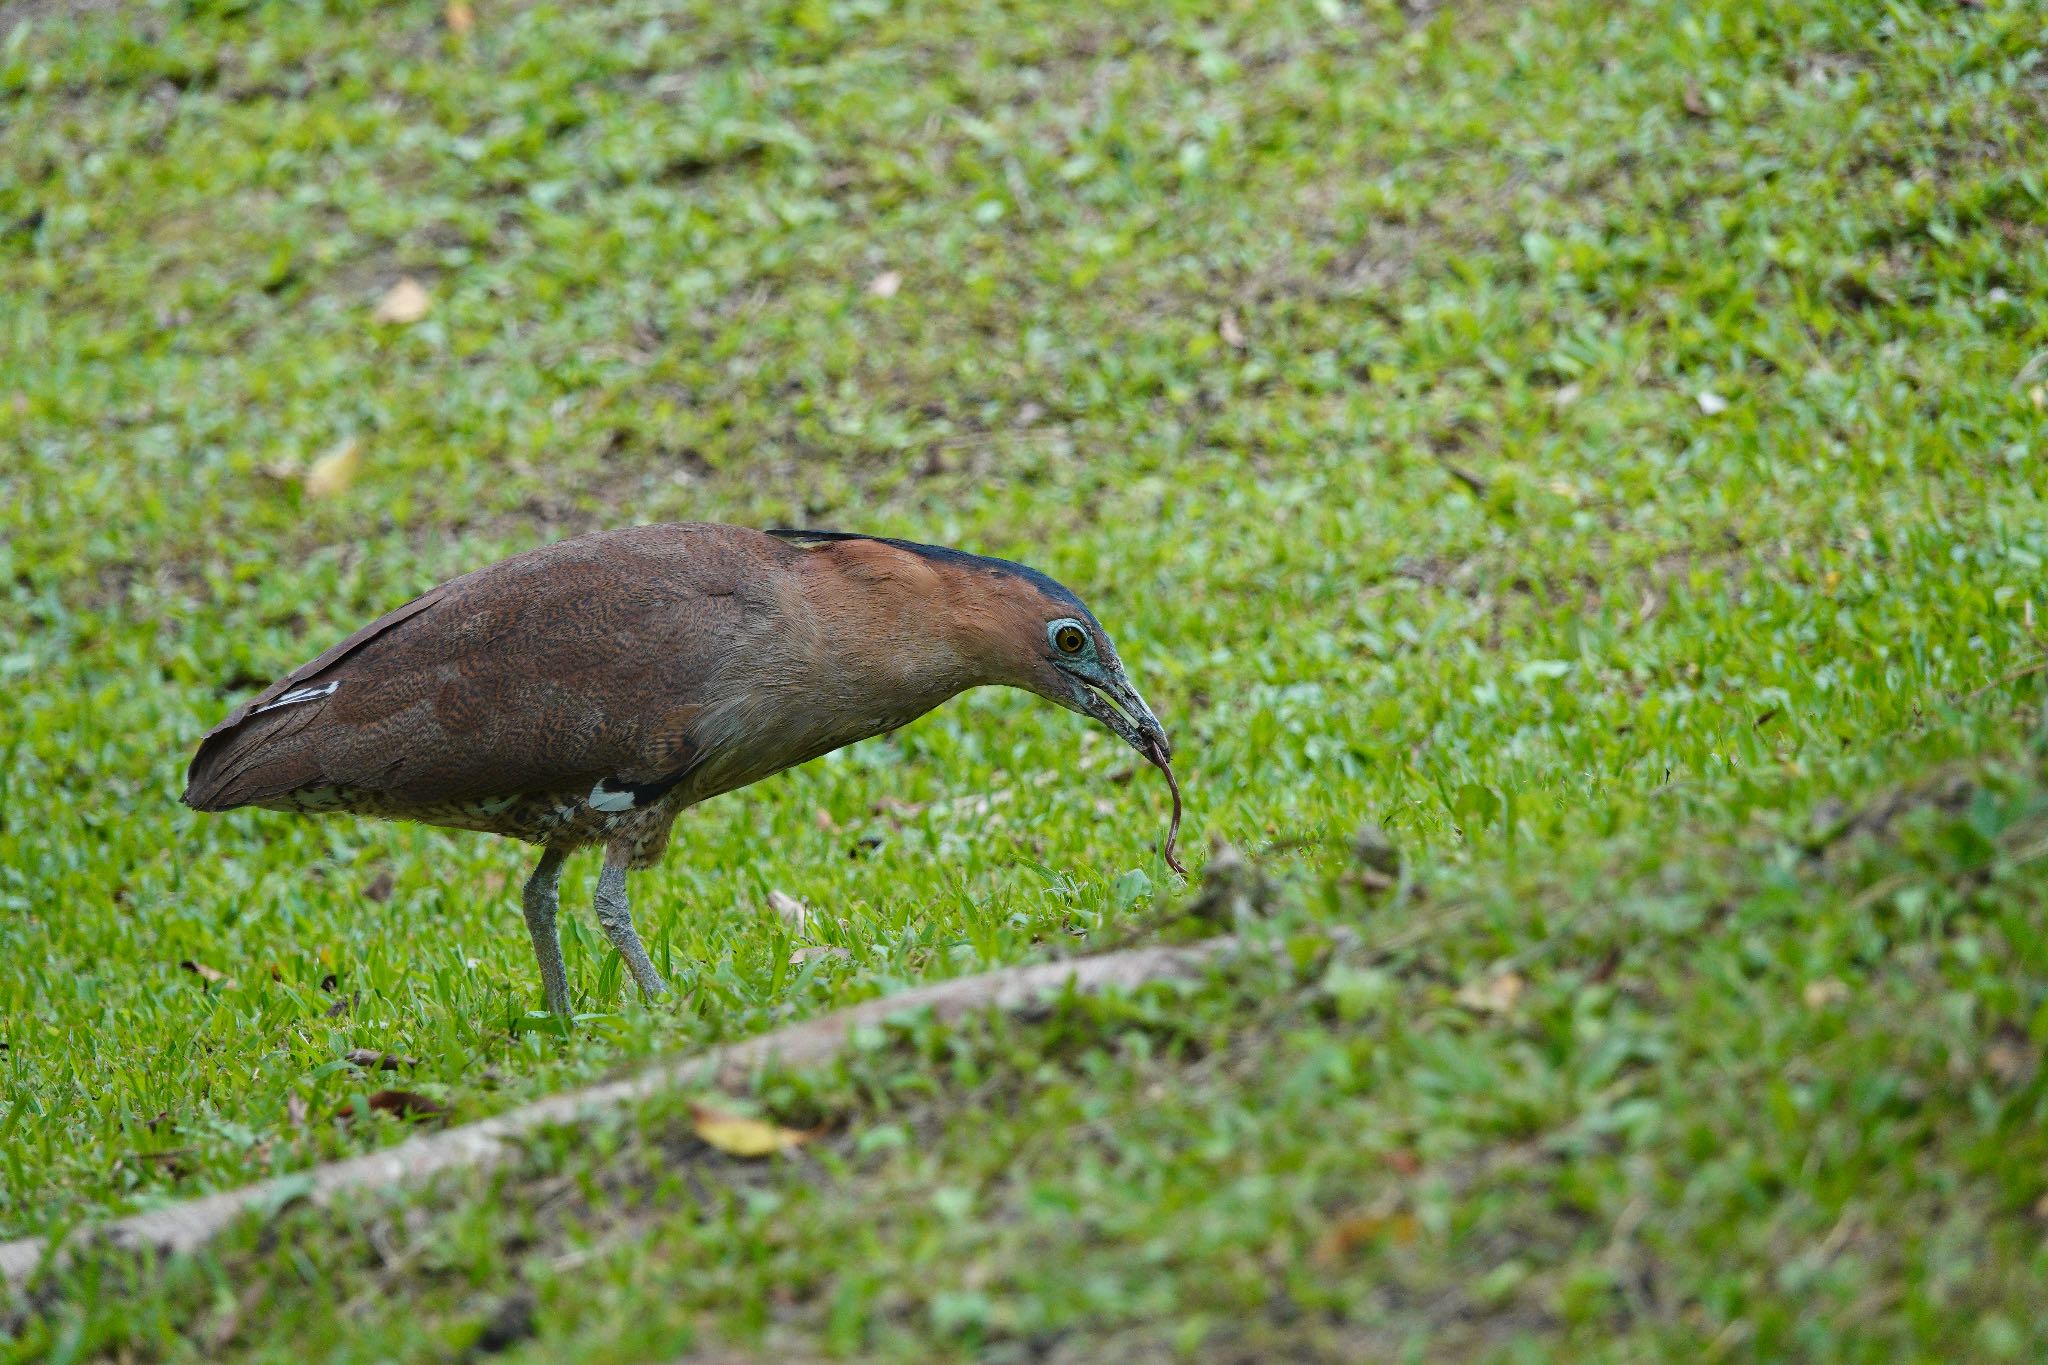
{"points": [[617, 918], [539, 900]]}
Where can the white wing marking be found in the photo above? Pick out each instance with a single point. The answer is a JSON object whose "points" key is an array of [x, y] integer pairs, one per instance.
{"points": [[299, 694]]}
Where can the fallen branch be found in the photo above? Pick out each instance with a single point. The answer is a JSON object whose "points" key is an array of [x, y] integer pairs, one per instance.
{"points": [[2024, 671], [1473, 483], [191, 1225]]}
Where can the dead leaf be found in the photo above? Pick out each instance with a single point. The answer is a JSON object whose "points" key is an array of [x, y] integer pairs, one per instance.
{"points": [[400, 1104], [227, 1322], [1474, 485], [459, 18], [295, 1110], [1371, 879], [370, 1059], [1695, 101], [212, 976], [379, 887], [171, 1161], [1228, 329], [1375, 851], [885, 285], [510, 1323], [1494, 995], [404, 303], [2010, 1054], [736, 1135], [167, 1157], [333, 472], [1820, 994], [406, 1104], [1355, 1230], [2008, 1063], [896, 811], [803, 955], [794, 912]]}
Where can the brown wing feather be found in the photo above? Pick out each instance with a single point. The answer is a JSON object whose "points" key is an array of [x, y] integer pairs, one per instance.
{"points": [[568, 664], [228, 750]]}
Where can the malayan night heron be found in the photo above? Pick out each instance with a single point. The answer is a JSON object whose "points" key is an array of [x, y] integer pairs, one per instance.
{"points": [[588, 691]]}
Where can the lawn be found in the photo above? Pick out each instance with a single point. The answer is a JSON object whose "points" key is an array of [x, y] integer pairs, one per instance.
{"points": [[1599, 445]]}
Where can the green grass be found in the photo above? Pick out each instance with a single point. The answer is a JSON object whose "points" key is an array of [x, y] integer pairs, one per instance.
{"points": [[1600, 444]]}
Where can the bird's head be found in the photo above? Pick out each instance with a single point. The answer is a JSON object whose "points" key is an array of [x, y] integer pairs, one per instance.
{"points": [[937, 621], [1063, 653], [1074, 664], [964, 619]]}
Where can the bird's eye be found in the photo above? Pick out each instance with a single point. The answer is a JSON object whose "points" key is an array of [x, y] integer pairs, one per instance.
{"points": [[1069, 638]]}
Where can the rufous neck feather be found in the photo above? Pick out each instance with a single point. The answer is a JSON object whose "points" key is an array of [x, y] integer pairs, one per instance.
{"points": [[924, 623]]}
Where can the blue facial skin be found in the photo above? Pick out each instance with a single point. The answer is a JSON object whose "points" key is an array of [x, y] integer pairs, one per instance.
{"points": [[1080, 650]]}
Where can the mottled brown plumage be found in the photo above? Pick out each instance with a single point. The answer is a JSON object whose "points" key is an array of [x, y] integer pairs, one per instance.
{"points": [[587, 692]]}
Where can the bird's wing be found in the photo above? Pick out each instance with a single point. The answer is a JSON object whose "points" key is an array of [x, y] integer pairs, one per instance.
{"points": [[246, 757], [583, 662]]}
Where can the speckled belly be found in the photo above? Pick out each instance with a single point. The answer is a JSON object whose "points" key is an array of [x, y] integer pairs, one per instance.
{"points": [[557, 820]]}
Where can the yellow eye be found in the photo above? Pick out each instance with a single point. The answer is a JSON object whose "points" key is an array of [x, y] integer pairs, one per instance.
{"points": [[1069, 639]]}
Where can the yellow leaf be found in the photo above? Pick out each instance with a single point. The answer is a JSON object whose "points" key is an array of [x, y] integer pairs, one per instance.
{"points": [[1494, 995], [404, 303], [461, 19], [333, 472], [736, 1135], [1820, 994]]}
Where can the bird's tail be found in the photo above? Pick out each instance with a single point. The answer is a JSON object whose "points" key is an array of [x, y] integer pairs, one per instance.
{"points": [[253, 758]]}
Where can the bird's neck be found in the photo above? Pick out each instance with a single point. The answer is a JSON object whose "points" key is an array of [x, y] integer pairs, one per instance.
{"points": [[905, 626]]}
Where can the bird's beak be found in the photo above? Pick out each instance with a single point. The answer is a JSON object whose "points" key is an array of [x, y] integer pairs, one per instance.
{"points": [[1113, 701]]}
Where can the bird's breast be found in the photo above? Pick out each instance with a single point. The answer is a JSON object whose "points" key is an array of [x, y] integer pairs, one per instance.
{"points": [[773, 728]]}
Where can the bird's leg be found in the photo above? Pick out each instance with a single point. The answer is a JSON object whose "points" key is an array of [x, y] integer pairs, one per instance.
{"points": [[539, 900], [617, 918]]}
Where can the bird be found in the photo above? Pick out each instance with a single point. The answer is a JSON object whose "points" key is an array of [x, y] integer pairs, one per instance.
{"points": [[589, 690]]}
